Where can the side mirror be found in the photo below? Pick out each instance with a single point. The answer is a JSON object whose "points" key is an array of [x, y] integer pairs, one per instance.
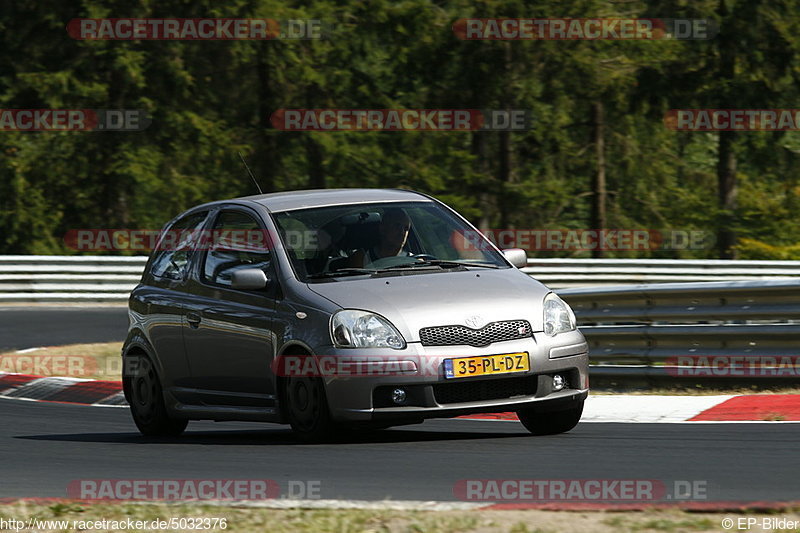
{"points": [[516, 256], [249, 279]]}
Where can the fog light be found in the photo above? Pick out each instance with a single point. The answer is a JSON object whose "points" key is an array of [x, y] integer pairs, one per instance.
{"points": [[559, 382], [399, 396]]}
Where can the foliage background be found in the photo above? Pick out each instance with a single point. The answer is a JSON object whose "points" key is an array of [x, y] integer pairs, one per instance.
{"points": [[209, 100]]}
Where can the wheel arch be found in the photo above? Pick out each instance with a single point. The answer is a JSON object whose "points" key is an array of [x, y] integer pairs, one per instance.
{"points": [[137, 344], [294, 347]]}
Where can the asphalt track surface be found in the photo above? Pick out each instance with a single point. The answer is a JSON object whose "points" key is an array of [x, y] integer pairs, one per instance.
{"points": [[30, 327], [44, 446]]}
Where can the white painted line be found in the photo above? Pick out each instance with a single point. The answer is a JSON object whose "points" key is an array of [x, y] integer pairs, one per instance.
{"points": [[624, 421], [40, 378], [42, 387], [4, 397], [647, 408], [621, 408], [583, 420], [385, 505], [115, 400], [696, 422], [28, 350]]}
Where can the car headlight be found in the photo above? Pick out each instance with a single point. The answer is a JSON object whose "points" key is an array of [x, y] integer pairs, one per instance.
{"points": [[558, 317], [351, 328]]}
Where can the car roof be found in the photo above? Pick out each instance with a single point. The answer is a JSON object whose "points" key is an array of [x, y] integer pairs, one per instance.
{"points": [[291, 200]]}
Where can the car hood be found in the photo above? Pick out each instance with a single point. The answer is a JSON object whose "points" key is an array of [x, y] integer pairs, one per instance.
{"points": [[445, 298]]}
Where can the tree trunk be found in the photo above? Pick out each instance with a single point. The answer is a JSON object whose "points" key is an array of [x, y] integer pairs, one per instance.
{"points": [[316, 171], [726, 180], [505, 202], [482, 168], [599, 183], [726, 156], [265, 152], [115, 185]]}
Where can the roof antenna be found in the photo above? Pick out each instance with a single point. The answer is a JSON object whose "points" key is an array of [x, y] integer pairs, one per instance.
{"points": [[251, 173]]}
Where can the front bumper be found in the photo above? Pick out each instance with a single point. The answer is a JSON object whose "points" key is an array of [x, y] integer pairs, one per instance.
{"points": [[419, 370]]}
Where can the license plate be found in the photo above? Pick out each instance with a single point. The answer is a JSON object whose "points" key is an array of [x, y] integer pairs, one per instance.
{"points": [[484, 365]]}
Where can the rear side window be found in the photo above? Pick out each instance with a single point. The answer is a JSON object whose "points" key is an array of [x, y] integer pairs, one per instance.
{"points": [[238, 243], [176, 245]]}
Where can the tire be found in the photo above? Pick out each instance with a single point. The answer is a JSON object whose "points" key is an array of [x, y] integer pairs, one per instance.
{"points": [[307, 409], [551, 423], [147, 400]]}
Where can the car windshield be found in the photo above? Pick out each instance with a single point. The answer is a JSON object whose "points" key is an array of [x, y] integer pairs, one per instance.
{"points": [[340, 241]]}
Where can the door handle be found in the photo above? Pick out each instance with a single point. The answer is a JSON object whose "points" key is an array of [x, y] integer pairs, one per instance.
{"points": [[193, 319]]}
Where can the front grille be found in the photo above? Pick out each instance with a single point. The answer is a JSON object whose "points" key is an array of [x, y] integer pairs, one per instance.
{"points": [[489, 389], [461, 335]]}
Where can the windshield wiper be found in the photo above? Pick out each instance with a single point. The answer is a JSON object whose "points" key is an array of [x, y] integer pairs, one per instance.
{"points": [[342, 272], [444, 263]]}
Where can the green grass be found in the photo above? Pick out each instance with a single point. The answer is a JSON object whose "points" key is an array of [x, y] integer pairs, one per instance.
{"points": [[90, 361], [672, 524], [385, 521]]}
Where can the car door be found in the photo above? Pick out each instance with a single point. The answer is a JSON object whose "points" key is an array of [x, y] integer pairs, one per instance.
{"points": [[157, 305], [228, 333]]}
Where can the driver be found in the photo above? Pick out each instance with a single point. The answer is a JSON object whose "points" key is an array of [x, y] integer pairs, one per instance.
{"points": [[392, 236]]}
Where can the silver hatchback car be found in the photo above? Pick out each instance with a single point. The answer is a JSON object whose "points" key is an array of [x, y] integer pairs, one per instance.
{"points": [[331, 309]]}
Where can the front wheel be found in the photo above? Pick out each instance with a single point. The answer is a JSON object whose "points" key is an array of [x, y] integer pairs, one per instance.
{"points": [[147, 400], [550, 423], [307, 408]]}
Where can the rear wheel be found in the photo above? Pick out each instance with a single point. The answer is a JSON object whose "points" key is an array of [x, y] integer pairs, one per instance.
{"points": [[147, 400], [307, 408], [551, 423]]}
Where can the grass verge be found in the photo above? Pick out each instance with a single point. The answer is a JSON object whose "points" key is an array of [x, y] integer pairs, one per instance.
{"points": [[90, 361], [358, 521]]}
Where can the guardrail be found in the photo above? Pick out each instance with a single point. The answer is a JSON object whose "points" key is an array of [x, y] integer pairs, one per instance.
{"points": [[54, 278], [740, 330], [47, 278], [564, 273]]}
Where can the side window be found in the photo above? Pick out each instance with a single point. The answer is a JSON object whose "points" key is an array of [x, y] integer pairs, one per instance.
{"points": [[176, 245], [238, 243]]}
